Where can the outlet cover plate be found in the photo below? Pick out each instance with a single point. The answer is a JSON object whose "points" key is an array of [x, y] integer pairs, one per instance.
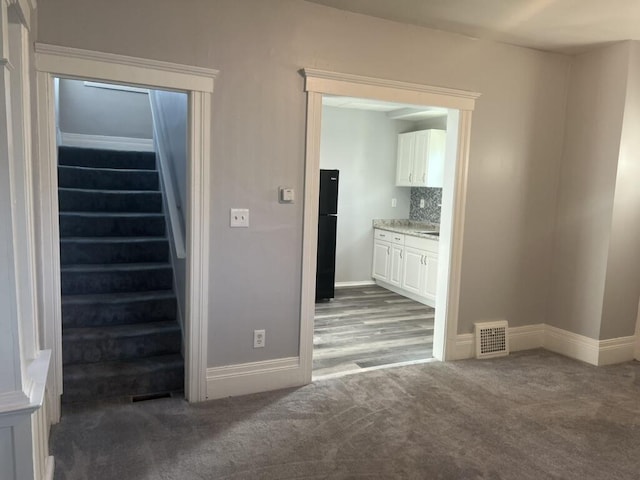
{"points": [[239, 217], [258, 338]]}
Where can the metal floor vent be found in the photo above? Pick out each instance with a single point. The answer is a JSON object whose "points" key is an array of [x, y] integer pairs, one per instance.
{"points": [[491, 339]]}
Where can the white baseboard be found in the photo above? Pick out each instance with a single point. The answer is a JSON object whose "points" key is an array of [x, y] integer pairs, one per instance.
{"points": [[106, 142], [617, 350], [527, 337], [362, 283], [255, 377], [465, 346], [572, 345]]}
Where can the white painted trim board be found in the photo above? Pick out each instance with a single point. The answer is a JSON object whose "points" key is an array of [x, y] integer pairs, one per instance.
{"points": [[105, 142], [254, 377]]}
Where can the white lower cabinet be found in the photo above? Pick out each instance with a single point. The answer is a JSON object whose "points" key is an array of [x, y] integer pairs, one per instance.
{"points": [[406, 264], [381, 260], [431, 276], [388, 257], [395, 275], [413, 270]]}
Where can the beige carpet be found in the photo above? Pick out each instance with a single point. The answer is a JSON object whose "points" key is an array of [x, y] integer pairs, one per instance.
{"points": [[533, 415]]}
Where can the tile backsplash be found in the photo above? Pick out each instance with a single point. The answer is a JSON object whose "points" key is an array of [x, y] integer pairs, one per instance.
{"points": [[432, 200]]}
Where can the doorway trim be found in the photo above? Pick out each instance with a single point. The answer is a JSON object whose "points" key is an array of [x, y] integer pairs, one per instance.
{"points": [[459, 102], [55, 61]]}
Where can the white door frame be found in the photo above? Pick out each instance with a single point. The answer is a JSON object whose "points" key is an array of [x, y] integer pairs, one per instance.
{"points": [[53, 61], [460, 104]]}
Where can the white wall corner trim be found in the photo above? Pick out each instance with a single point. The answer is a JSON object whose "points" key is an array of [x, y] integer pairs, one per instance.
{"points": [[254, 377], [572, 345], [106, 142]]}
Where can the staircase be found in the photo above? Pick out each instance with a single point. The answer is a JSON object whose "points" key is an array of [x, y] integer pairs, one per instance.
{"points": [[120, 336]]}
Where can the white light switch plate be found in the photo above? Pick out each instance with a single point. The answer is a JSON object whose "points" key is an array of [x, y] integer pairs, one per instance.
{"points": [[286, 195], [239, 217]]}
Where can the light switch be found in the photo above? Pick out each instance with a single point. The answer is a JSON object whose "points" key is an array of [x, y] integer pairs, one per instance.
{"points": [[239, 217], [286, 195]]}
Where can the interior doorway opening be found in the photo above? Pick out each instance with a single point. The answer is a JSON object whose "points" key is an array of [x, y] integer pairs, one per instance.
{"points": [[459, 105], [383, 263], [122, 190], [55, 61]]}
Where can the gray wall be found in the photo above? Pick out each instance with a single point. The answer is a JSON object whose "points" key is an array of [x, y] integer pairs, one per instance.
{"points": [[258, 139], [622, 287], [170, 118], [100, 111], [587, 182], [362, 145]]}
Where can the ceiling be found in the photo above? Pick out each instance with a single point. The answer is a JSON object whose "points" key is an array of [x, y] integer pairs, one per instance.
{"points": [[565, 26], [394, 111]]}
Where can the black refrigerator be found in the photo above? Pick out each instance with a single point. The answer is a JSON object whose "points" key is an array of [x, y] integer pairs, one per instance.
{"points": [[327, 223]]}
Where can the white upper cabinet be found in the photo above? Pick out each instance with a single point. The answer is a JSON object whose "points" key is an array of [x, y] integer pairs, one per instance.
{"points": [[420, 161]]}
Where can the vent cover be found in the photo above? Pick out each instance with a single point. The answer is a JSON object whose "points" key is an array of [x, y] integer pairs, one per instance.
{"points": [[491, 339]]}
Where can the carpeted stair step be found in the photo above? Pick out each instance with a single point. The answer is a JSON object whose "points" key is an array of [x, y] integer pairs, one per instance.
{"points": [[107, 309], [90, 224], [107, 178], [81, 250], [88, 279], [96, 158], [158, 374], [121, 342], [76, 199]]}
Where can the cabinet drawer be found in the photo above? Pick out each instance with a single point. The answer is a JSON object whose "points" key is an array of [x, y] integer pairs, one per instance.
{"points": [[422, 243], [387, 236]]}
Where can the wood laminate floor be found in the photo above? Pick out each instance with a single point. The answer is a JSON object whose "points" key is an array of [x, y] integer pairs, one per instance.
{"points": [[369, 326]]}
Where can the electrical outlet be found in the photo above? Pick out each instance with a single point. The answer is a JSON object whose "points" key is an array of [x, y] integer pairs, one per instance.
{"points": [[239, 217], [422, 203], [394, 202], [258, 338]]}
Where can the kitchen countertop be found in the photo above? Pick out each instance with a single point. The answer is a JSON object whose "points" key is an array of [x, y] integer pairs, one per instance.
{"points": [[408, 227]]}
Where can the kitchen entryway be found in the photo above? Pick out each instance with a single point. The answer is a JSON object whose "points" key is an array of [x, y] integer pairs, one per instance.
{"points": [[370, 320]]}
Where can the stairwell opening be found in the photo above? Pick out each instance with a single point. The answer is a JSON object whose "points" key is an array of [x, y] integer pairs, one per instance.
{"points": [[121, 194]]}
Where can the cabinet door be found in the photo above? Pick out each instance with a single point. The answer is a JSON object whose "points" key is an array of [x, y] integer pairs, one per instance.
{"points": [[431, 276], [405, 159], [435, 164], [381, 256], [412, 278], [395, 274], [420, 159], [428, 158]]}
